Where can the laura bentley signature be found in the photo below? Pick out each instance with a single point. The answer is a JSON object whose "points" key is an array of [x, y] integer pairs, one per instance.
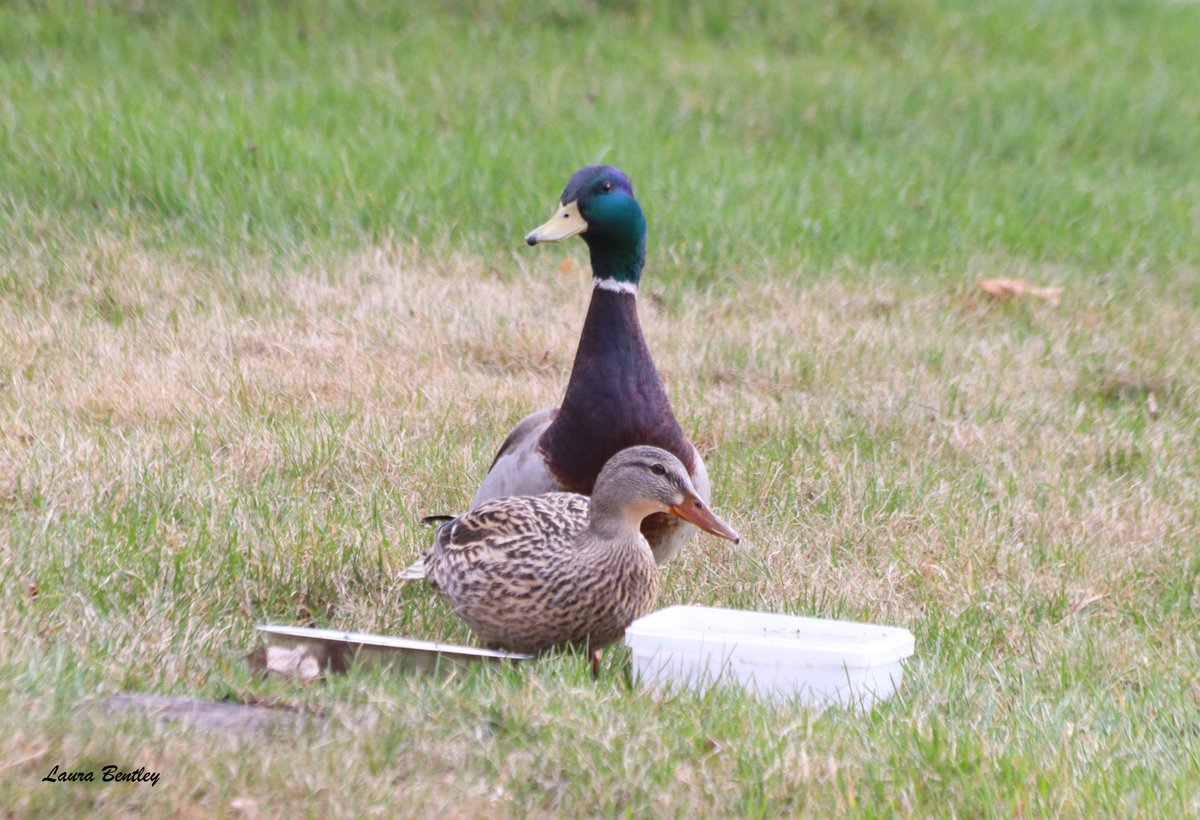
{"points": [[109, 774]]}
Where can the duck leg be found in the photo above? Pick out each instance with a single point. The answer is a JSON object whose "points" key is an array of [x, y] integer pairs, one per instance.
{"points": [[595, 664]]}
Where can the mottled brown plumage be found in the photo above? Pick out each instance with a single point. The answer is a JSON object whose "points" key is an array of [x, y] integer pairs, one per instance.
{"points": [[528, 573]]}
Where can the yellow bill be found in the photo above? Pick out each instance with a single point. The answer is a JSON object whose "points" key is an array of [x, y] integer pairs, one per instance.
{"points": [[566, 222]]}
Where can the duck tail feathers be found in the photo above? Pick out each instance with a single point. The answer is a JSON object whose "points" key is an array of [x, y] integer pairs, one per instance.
{"points": [[414, 571]]}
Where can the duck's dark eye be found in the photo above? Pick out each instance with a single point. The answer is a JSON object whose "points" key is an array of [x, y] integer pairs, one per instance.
{"points": [[658, 469], [605, 187]]}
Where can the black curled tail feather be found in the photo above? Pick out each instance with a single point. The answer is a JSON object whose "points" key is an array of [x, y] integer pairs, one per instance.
{"points": [[416, 570]]}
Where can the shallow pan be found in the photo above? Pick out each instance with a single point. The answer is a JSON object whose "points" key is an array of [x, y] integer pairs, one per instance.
{"points": [[304, 651]]}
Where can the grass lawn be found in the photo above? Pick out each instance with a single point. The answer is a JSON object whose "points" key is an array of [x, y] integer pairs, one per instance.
{"points": [[264, 303]]}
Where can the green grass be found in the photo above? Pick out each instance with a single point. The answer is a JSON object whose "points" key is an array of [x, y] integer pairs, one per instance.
{"points": [[915, 136], [264, 303]]}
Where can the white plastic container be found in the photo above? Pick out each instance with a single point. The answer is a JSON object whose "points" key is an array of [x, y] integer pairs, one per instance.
{"points": [[818, 662]]}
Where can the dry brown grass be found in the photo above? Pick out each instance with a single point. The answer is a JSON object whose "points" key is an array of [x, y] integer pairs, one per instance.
{"points": [[185, 451]]}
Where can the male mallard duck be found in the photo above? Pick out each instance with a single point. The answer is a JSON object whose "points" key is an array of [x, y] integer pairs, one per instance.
{"points": [[614, 398], [530, 572]]}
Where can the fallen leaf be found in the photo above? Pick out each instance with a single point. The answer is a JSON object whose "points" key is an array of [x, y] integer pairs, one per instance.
{"points": [[1018, 288], [566, 265]]}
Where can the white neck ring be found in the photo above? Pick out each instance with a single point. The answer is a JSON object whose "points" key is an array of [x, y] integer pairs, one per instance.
{"points": [[615, 286]]}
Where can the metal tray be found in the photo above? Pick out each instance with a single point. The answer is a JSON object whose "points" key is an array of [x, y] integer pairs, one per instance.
{"points": [[304, 652]]}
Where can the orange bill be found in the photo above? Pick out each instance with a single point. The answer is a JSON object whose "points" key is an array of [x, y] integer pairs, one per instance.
{"points": [[695, 511]]}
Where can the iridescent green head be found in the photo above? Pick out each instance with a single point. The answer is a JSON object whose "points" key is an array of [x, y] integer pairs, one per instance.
{"points": [[598, 204]]}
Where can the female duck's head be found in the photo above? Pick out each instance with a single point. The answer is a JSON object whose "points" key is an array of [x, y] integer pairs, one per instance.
{"points": [[598, 204], [640, 481]]}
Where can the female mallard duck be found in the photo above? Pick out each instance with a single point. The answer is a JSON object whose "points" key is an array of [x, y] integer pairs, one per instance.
{"points": [[615, 398], [530, 572]]}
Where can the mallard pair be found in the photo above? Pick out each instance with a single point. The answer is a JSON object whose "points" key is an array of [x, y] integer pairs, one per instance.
{"points": [[536, 563]]}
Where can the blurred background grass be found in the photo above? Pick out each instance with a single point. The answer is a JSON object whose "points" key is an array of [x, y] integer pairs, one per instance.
{"points": [[909, 135]]}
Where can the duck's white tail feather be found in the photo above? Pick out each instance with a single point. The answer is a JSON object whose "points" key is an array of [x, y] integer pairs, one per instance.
{"points": [[414, 572]]}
